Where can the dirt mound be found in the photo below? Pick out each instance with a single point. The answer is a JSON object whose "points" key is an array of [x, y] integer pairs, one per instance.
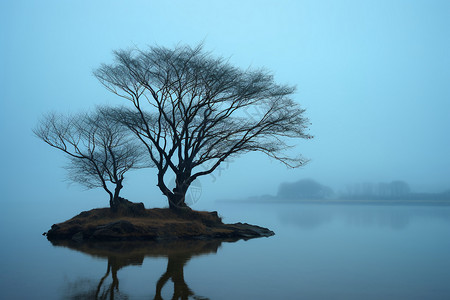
{"points": [[137, 223]]}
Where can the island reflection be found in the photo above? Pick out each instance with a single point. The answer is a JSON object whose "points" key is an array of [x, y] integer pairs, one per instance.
{"points": [[122, 254]]}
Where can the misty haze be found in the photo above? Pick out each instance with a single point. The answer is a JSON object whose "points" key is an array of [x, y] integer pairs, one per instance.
{"points": [[232, 150]]}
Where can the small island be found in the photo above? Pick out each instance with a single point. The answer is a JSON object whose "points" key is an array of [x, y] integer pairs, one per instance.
{"points": [[132, 222]]}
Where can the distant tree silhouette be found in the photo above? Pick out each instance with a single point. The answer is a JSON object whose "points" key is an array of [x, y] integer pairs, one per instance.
{"points": [[392, 190], [304, 189], [100, 149], [190, 111], [399, 188]]}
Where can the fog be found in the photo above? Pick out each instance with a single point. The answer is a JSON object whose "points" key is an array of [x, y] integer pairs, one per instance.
{"points": [[373, 77]]}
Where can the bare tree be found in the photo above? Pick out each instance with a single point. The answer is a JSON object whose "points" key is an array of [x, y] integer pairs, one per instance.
{"points": [[100, 148], [189, 110]]}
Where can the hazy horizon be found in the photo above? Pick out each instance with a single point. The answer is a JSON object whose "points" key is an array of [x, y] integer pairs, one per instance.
{"points": [[372, 76]]}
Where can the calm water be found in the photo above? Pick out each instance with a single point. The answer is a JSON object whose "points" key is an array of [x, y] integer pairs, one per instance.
{"points": [[318, 252]]}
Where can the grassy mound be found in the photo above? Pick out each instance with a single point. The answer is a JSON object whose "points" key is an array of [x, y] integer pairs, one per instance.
{"points": [[137, 223]]}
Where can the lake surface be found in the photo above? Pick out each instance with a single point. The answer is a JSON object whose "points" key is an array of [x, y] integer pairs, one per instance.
{"points": [[320, 251]]}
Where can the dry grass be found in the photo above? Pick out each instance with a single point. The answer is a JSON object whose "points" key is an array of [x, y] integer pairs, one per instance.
{"points": [[146, 224], [155, 216]]}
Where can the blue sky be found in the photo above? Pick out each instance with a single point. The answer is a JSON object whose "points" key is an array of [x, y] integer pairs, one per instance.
{"points": [[374, 77]]}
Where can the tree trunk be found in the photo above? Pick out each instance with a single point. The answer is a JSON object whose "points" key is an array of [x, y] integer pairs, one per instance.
{"points": [[115, 200], [177, 200], [177, 196]]}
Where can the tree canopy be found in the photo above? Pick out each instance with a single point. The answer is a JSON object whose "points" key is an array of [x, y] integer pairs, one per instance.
{"points": [[101, 149], [189, 110]]}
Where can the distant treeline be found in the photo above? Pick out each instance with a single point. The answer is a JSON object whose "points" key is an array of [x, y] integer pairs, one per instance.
{"points": [[310, 189], [395, 190]]}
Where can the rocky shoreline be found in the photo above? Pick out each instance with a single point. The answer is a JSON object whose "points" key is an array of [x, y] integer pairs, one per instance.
{"points": [[151, 225]]}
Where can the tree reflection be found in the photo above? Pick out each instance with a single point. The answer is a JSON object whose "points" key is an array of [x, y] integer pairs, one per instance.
{"points": [[122, 254], [102, 292], [175, 271]]}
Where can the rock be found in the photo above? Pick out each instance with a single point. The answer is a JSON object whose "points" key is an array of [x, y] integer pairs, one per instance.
{"points": [[78, 237], [251, 231], [114, 231], [130, 208]]}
